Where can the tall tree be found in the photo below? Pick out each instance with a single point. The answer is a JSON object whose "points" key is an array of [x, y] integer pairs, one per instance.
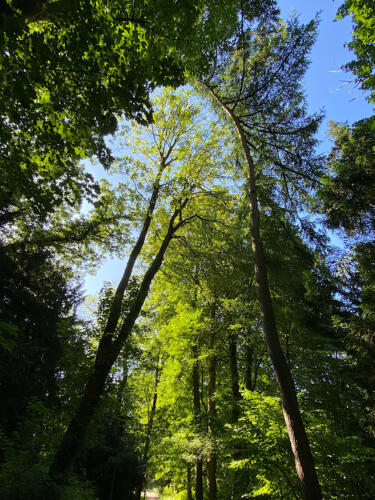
{"points": [[36, 310], [179, 163], [257, 85]]}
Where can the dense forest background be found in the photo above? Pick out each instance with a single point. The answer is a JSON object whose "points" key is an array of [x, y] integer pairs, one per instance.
{"points": [[233, 356]]}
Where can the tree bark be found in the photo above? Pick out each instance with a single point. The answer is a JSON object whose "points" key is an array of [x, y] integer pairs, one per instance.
{"points": [[188, 480], [107, 353], [152, 414], [233, 366], [198, 423], [211, 410], [297, 435], [115, 311], [236, 477], [150, 423], [124, 379], [248, 367]]}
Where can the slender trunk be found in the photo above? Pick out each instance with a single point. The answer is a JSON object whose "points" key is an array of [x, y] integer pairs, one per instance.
{"points": [[198, 423], [211, 475], [211, 410], [115, 311], [297, 435], [248, 367], [124, 380], [152, 414], [150, 423], [107, 353], [233, 366], [236, 477], [188, 480]]}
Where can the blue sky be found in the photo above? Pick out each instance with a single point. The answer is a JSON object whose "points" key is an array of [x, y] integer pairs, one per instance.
{"points": [[326, 85], [326, 88]]}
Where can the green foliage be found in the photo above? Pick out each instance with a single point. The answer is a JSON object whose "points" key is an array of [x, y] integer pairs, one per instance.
{"points": [[264, 461], [70, 69], [83, 65], [36, 299], [363, 43], [348, 193], [111, 462]]}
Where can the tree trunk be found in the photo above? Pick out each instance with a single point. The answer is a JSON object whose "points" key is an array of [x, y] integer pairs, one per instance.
{"points": [[115, 311], [293, 420], [236, 477], [248, 367], [198, 424], [297, 435], [152, 414], [211, 410], [233, 366], [150, 423], [188, 480], [107, 353]]}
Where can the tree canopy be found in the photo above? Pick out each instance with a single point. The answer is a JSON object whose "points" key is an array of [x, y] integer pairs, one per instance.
{"points": [[233, 355]]}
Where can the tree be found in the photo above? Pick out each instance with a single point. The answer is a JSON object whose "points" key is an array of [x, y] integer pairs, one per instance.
{"points": [[257, 85], [181, 156], [36, 312], [42, 353], [348, 191], [347, 200], [363, 14], [70, 69]]}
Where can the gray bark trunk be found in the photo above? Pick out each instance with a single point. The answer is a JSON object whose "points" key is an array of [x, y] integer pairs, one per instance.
{"points": [[150, 423]]}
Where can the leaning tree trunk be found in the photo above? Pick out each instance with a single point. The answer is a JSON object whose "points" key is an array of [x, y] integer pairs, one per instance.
{"points": [[115, 310], [297, 435], [108, 351], [293, 420]]}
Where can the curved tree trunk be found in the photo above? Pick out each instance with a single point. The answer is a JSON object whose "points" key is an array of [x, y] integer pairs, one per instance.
{"points": [[297, 435]]}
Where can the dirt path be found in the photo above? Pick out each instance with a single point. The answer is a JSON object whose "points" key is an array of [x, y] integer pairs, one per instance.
{"points": [[152, 494]]}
